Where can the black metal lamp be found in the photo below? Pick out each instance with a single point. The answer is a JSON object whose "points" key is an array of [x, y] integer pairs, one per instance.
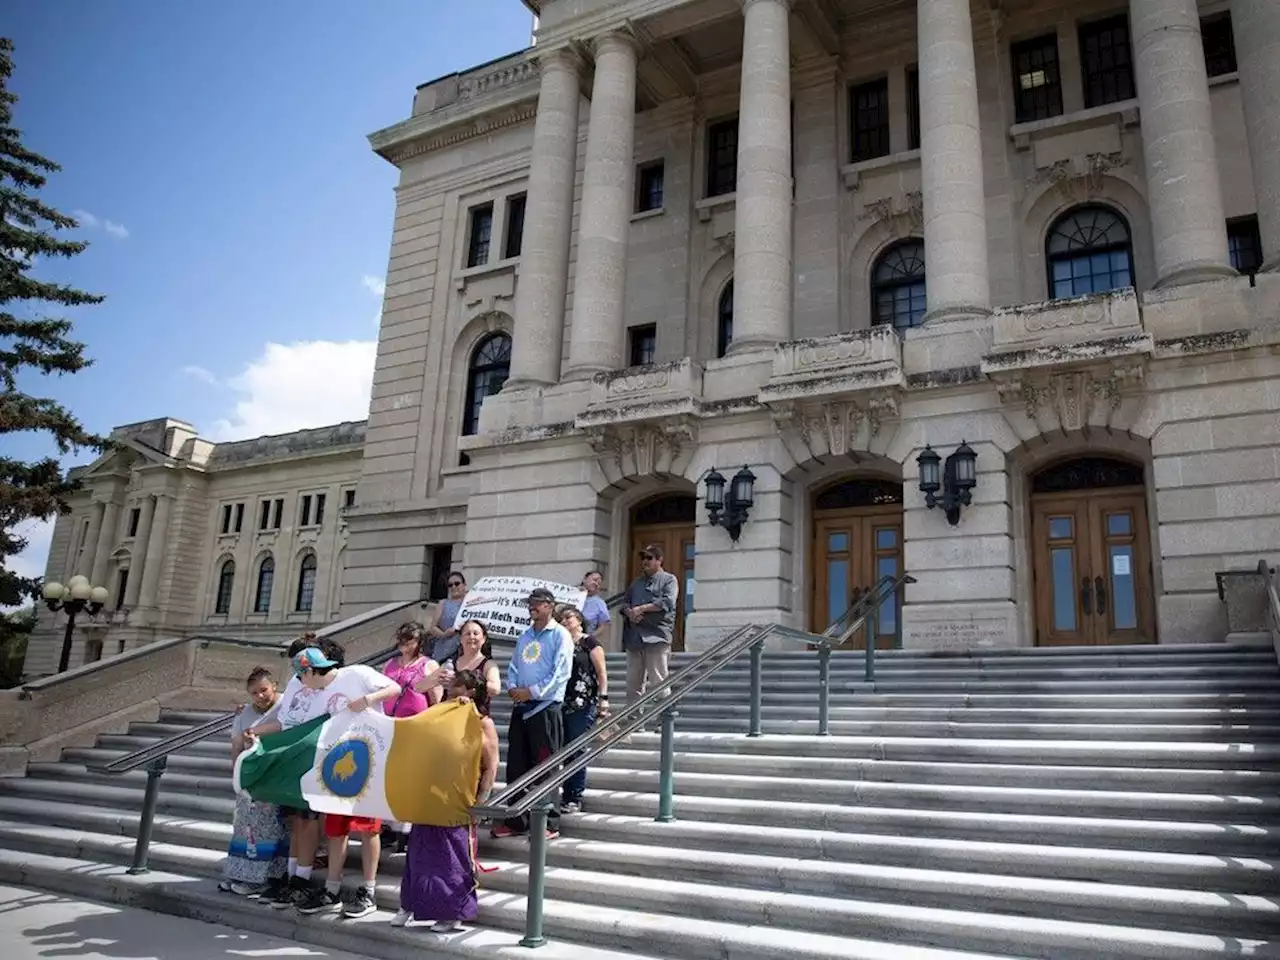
{"points": [[77, 596], [951, 487], [730, 513]]}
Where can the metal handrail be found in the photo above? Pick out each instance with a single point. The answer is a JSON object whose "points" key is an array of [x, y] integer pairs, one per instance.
{"points": [[529, 793]]}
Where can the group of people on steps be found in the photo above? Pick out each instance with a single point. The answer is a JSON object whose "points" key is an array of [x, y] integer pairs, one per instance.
{"points": [[557, 681]]}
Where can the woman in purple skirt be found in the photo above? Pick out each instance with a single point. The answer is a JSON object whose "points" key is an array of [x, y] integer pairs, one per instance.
{"points": [[439, 882]]}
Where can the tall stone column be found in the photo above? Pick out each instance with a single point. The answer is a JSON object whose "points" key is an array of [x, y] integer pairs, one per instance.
{"points": [[600, 285], [89, 549], [955, 215], [138, 556], [1188, 225], [763, 224], [155, 551], [1257, 31], [106, 543], [544, 255]]}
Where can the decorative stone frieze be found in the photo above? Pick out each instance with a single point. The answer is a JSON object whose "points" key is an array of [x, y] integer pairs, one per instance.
{"points": [[1075, 320], [644, 394], [1080, 178], [835, 427], [825, 367], [643, 449]]}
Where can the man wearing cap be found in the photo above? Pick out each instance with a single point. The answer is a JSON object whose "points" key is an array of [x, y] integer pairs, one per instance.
{"points": [[649, 609], [536, 681]]}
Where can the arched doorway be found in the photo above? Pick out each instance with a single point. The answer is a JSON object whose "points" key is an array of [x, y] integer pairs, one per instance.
{"points": [[857, 539], [1091, 553], [668, 521]]}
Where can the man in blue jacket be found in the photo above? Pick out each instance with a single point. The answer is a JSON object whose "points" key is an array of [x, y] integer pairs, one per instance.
{"points": [[536, 680]]}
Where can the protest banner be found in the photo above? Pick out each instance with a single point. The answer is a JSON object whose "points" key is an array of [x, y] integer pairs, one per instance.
{"points": [[499, 603]]}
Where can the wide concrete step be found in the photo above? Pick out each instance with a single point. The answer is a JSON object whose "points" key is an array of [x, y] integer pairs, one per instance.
{"points": [[793, 918], [211, 760], [571, 926]]}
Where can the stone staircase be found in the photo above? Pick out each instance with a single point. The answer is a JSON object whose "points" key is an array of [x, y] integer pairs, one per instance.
{"points": [[1073, 804]]}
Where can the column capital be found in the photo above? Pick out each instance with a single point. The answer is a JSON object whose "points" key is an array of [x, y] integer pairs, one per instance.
{"points": [[624, 37], [782, 3], [564, 58]]}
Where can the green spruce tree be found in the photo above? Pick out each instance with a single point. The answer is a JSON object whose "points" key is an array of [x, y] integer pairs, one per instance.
{"points": [[31, 343]]}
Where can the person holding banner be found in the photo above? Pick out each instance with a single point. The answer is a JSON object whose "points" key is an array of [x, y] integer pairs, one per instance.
{"points": [[537, 678]]}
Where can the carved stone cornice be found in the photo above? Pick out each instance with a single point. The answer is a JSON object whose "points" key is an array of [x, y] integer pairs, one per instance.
{"points": [[908, 209], [404, 145], [653, 448], [1071, 400], [836, 427], [1079, 178]]}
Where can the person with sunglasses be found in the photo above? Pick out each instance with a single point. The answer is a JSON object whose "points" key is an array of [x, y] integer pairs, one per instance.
{"points": [[649, 623], [444, 634]]}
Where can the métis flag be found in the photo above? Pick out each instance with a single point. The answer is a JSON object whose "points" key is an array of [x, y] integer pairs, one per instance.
{"points": [[422, 769]]}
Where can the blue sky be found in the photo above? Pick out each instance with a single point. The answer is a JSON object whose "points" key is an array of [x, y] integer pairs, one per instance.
{"points": [[239, 223]]}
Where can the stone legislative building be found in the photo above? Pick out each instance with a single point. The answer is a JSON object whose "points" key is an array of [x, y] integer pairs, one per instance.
{"points": [[814, 238]]}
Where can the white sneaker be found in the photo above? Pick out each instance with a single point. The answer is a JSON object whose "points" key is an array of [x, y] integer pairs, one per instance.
{"points": [[401, 919], [447, 926]]}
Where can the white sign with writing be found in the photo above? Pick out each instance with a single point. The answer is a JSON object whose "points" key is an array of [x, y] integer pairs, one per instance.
{"points": [[1120, 565], [500, 603]]}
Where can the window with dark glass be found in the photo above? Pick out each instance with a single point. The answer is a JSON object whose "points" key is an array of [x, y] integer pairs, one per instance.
{"points": [[644, 344], [479, 235], [239, 524], [266, 579], [489, 369], [913, 109], [724, 320], [515, 227], [264, 515], [226, 518], [1037, 81], [1219, 45], [348, 498], [1244, 242], [319, 515], [898, 286], [277, 516], [649, 187], [1106, 61], [869, 119], [226, 580], [122, 587], [135, 518], [304, 511], [306, 584], [722, 157], [1089, 250]]}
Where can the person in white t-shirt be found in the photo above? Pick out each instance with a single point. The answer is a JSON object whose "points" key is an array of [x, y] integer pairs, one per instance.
{"points": [[325, 688]]}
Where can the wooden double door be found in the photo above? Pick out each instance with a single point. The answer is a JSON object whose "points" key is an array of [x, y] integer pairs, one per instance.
{"points": [[853, 549], [1091, 557]]}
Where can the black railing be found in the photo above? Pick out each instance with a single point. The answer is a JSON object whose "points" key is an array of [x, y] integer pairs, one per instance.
{"points": [[528, 794]]}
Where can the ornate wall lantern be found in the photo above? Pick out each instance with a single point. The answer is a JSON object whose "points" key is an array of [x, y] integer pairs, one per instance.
{"points": [[731, 512], [948, 485]]}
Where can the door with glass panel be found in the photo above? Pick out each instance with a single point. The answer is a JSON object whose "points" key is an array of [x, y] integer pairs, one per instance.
{"points": [[852, 551], [1092, 568]]}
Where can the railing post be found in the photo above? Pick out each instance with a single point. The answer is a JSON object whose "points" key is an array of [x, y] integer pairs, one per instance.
{"points": [[155, 770], [667, 773], [824, 689], [537, 876], [757, 656], [870, 629]]}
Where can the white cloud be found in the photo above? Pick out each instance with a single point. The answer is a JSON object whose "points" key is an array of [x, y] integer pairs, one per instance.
{"points": [[298, 385], [375, 285], [201, 374], [91, 221], [31, 561]]}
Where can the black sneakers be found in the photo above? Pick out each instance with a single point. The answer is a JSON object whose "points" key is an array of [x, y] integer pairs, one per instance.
{"points": [[361, 904], [318, 900], [289, 894]]}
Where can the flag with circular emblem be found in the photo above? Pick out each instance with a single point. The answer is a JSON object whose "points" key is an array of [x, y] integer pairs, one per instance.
{"points": [[422, 769]]}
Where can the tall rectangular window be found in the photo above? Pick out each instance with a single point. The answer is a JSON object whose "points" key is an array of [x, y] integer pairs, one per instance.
{"points": [[239, 524], [644, 344], [515, 227], [277, 517], [869, 119], [348, 498], [226, 518], [1244, 243], [304, 510], [264, 515], [135, 518], [649, 187], [480, 232], [1037, 81], [1219, 44], [319, 517], [722, 157], [1106, 61], [913, 109], [122, 587]]}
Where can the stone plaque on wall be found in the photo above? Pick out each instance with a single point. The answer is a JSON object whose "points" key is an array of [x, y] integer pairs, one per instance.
{"points": [[959, 627]]}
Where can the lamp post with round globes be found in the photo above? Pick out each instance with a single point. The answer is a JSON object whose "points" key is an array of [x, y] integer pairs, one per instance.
{"points": [[76, 596]]}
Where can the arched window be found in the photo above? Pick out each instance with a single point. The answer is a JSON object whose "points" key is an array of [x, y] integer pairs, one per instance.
{"points": [[1089, 250], [724, 320], [306, 584], [897, 286], [490, 366], [266, 579], [226, 580]]}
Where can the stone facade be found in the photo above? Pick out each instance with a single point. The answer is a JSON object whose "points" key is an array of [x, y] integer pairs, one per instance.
{"points": [[178, 529], [1080, 181]]}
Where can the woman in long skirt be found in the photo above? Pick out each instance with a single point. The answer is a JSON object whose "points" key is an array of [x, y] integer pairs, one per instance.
{"points": [[258, 855], [440, 869]]}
